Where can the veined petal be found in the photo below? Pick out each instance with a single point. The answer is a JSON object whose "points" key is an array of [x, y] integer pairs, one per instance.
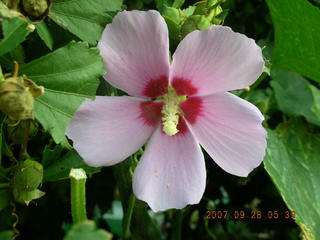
{"points": [[110, 129], [135, 49], [229, 129], [215, 60], [171, 172]]}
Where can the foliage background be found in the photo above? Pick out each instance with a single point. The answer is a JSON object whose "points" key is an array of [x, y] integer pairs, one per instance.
{"points": [[60, 55]]}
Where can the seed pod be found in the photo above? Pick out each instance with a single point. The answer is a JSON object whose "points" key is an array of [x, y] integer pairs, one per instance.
{"points": [[15, 99], [28, 176], [35, 8]]}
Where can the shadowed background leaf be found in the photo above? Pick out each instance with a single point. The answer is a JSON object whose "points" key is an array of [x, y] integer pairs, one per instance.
{"points": [[292, 161], [297, 37]]}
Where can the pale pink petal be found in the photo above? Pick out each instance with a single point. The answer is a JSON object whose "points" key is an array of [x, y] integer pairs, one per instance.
{"points": [[110, 129], [229, 129], [135, 49], [215, 60], [171, 172]]}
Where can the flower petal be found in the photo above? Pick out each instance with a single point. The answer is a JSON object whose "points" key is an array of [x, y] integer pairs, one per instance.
{"points": [[215, 60], [110, 129], [229, 129], [171, 172], [135, 49]]}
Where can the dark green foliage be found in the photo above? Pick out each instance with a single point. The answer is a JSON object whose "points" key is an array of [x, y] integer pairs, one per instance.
{"points": [[59, 53]]}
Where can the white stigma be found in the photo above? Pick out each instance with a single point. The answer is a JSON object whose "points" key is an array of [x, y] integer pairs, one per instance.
{"points": [[170, 112]]}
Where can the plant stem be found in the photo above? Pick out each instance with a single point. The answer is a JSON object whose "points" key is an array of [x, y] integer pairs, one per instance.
{"points": [[128, 216], [78, 179], [177, 224], [23, 150]]}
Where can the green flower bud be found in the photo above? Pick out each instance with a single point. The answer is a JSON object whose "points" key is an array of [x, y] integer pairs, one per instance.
{"points": [[31, 27], [28, 176], [35, 8]]}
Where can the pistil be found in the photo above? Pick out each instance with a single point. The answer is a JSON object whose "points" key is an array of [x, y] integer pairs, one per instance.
{"points": [[171, 111]]}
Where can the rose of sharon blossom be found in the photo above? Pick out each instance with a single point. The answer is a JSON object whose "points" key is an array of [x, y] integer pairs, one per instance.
{"points": [[173, 107]]}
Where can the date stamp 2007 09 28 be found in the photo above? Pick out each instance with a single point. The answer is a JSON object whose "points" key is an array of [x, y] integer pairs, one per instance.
{"points": [[241, 214]]}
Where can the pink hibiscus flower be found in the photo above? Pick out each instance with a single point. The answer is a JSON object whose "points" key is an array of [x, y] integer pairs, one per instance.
{"points": [[173, 106]]}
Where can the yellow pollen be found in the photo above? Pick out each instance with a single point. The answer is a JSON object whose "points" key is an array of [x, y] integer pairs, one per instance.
{"points": [[171, 112]]}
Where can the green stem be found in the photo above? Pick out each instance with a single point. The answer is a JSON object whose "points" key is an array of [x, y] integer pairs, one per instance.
{"points": [[23, 151], [128, 216], [211, 234], [78, 179], [177, 224]]}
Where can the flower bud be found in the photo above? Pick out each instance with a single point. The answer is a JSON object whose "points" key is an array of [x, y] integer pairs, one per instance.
{"points": [[31, 27], [28, 176], [35, 8], [15, 99]]}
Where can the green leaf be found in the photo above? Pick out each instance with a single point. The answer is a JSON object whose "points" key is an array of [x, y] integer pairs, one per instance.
{"points": [[45, 34], [262, 98], [6, 235], [87, 231], [195, 22], [162, 4], [173, 19], [297, 37], [292, 161], [84, 18], [69, 75], [60, 169], [4, 199], [296, 96], [15, 31], [54, 110], [27, 197], [50, 155], [178, 3], [75, 68]]}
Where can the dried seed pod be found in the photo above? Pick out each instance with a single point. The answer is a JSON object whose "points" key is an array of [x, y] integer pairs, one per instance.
{"points": [[15, 99]]}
